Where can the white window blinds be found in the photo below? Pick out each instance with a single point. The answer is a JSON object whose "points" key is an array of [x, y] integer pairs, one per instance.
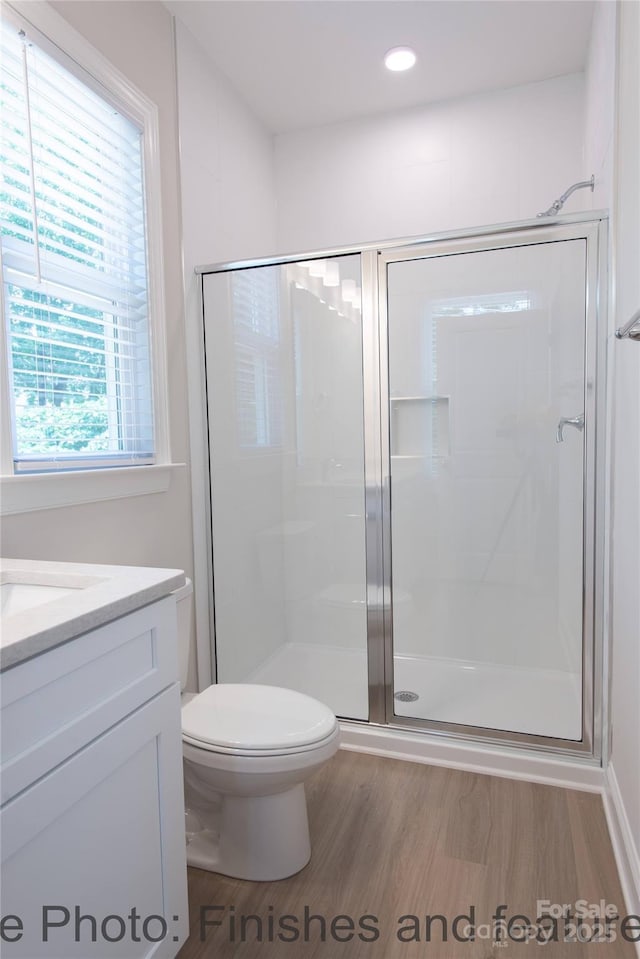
{"points": [[258, 358], [72, 226]]}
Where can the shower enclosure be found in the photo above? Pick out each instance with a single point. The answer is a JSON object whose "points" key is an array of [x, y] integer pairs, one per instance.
{"points": [[403, 452]]}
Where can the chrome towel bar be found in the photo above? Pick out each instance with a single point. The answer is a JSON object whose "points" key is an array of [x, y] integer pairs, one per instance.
{"points": [[630, 329]]}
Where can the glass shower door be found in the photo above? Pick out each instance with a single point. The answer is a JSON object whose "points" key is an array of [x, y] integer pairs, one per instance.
{"points": [[283, 351], [486, 361]]}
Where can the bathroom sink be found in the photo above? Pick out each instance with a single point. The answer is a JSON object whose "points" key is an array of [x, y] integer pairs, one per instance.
{"points": [[23, 589], [16, 597], [46, 603]]}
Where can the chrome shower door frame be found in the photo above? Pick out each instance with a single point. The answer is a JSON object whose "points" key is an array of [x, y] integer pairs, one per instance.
{"points": [[592, 227], [593, 231]]}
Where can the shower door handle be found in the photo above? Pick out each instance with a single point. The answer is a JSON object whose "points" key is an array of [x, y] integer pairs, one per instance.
{"points": [[576, 421]]}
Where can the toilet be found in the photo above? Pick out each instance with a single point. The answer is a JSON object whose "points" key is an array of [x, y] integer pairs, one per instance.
{"points": [[248, 750]]}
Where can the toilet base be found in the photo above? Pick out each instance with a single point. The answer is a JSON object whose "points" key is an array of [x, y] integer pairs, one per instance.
{"points": [[261, 838]]}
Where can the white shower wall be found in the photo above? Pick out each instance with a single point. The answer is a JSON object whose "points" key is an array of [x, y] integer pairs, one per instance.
{"points": [[486, 505], [324, 488], [491, 158]]}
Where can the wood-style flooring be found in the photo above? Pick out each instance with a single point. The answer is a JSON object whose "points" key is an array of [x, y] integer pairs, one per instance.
{"points": [[395, 839]]}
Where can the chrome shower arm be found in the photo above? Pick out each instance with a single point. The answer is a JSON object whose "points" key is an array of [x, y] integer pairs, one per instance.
{"points": [[557, 205], [631, 328]]}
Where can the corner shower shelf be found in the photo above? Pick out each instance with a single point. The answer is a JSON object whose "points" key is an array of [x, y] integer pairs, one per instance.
{"points": [[419, 426]]}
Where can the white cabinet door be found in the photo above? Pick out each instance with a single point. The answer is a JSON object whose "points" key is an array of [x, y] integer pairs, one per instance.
{"points": [[93, 854], [56, 704]]}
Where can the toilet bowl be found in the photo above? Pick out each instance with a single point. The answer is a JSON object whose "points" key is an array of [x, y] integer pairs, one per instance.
{"points": [[248, 750]]}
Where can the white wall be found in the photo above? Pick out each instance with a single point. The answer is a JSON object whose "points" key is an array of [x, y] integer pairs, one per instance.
{"points": [[485, 159], [600, 105], [153, 530], [226, 159], [625, 494], [612, 152]]}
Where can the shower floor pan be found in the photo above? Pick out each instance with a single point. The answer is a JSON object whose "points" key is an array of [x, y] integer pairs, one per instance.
{"points": [[541, 702]]}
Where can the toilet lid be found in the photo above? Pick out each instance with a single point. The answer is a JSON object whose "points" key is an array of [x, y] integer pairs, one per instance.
{"points": [[244, 716]]}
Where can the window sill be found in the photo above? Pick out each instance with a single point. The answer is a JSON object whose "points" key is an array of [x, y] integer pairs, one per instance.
{"points": [[40, 491]]}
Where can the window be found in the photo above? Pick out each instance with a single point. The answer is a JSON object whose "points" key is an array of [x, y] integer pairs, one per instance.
{"points": [[74, 264]]}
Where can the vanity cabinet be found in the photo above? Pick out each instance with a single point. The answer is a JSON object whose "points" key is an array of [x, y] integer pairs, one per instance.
{"points": [[92, 821]]}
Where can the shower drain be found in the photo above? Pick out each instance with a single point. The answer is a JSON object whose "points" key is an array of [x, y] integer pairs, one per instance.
{"points": [[406, 696]]}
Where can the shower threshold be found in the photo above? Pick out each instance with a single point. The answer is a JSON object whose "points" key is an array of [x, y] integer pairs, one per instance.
{"points": [[541, 702]]}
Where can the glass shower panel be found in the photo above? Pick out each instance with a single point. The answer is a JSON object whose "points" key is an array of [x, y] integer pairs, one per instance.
{"points": [[283, 349], [486, 416]]}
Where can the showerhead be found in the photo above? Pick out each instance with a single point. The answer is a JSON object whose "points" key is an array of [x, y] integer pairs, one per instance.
{"points": [[557, 205]]}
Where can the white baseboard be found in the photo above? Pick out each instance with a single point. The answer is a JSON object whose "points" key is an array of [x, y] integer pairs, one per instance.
{"points": [[512, 763], [625, 849]]}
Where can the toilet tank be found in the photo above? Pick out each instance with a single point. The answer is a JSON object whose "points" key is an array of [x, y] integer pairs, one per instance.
{"points": [[183, 598]]}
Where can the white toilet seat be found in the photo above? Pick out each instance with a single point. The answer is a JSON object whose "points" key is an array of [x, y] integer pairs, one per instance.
{"points": [[257, 753], [250, 720], [265, 763]]}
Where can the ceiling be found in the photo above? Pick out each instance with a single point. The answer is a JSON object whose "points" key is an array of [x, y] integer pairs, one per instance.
{"points": [[303, 63]]}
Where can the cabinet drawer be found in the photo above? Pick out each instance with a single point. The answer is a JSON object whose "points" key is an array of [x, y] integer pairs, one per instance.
{"points": [[56, 703]]}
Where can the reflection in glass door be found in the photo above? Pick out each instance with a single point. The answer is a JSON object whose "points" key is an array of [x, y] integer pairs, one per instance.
{"points": [[486, 432]]}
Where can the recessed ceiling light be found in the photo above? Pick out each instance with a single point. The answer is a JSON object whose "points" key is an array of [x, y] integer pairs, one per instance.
{"points": [[399, 58]]}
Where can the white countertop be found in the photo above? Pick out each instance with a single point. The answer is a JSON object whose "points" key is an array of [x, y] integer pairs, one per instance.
{"points": [[48, 603]]}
